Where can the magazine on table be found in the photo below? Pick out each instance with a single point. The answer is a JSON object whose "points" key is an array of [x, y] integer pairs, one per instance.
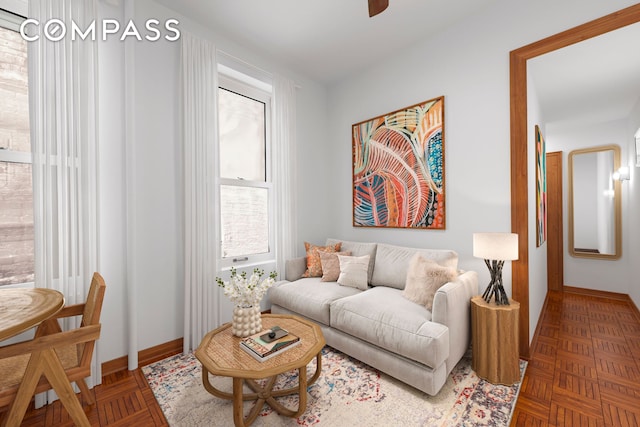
{"points": [[269, 343]]}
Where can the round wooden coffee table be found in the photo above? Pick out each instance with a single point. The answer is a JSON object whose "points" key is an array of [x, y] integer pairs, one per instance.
{"points": [[220, 354]]}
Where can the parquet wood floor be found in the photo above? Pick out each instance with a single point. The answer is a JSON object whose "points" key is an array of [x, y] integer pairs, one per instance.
{"points": [[584, 371], [585, 365], [123, 399]]}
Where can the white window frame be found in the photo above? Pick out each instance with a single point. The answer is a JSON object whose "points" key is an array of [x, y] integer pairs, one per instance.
{"points": [[227, 82], [11, 20]]}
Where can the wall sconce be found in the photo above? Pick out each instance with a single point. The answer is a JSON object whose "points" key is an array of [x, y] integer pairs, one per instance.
{"points": [[622, 174], [495, 248]]}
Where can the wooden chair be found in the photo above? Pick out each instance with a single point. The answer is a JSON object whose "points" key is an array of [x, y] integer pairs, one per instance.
{"points": [[53, 360]]}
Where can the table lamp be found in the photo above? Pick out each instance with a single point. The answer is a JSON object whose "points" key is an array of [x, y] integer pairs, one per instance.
{"points": [[495, 249]]}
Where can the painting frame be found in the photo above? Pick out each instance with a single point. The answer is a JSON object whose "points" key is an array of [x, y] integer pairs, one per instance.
{"points": [[541, 188], [398, 168]]}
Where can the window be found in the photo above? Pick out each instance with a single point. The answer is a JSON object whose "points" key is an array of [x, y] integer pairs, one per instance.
{"points": [[245, 191], [16, 189]]}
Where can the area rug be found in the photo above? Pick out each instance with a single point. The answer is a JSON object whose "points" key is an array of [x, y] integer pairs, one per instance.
{"points": [[348, 392]]}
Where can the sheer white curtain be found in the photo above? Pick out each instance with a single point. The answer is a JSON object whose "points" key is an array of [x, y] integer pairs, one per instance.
{"points": [[200, 84], [62, 102], [284, 170]]}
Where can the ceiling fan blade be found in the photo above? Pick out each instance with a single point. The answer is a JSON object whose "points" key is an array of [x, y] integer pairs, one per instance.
{"points": [[377, 6]]}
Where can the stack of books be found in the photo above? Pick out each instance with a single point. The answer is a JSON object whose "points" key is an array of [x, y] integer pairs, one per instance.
{"points": [[262, 350]]}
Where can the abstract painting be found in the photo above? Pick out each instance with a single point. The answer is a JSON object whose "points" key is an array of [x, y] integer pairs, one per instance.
{"points": [[398, 168], [541, 188]]}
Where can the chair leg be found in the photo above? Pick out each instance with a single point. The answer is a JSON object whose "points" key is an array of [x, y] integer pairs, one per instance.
{"points": [[54, 372], [86, 392], [18, 407]]}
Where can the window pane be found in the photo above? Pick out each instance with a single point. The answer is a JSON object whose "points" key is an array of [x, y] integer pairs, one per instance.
{"points": [[16, 223], [16, 190], [14, 108], [242, 137], [245, 220]]}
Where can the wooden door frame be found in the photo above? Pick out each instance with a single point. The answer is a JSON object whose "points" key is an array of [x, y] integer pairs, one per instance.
{"points": [[519, 144]]}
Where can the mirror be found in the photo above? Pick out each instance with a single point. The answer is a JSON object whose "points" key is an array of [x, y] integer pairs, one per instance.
{"points": [[594, 203], [637, 136]]}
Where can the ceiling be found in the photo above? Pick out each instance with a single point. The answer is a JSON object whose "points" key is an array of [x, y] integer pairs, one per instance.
{"points": [[329, 40], [596, 80], [326, 40]]}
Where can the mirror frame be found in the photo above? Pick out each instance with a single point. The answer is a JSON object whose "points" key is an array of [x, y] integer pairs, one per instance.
{"points": [[617, 205]]}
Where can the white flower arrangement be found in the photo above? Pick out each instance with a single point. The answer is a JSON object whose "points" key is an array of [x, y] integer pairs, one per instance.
{"points": [[245, 291]]}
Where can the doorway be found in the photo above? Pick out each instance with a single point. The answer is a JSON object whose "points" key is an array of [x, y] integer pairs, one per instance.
{"points": [[519, 145], [555, 229]]}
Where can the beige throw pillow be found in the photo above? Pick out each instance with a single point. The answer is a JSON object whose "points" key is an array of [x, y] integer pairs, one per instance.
{"points": [[424, 278], [314, 268], [353, 271], [331, 265]]}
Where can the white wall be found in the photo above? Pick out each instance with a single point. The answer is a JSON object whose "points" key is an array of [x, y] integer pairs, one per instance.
{"points": [[19, 7], [468, 64], [631, 234], [537, 254], [158, 179], [606, 275], [112, 204]]}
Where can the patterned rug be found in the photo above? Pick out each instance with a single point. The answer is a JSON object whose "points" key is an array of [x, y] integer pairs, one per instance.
{"points": [[347, 393]]}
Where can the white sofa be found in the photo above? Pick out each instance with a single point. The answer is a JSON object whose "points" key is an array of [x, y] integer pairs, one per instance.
{"points": [[379, 326]]}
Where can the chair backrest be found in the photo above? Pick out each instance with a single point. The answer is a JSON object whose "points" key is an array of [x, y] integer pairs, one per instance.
{"points": [[91, 316], [93, 305]]}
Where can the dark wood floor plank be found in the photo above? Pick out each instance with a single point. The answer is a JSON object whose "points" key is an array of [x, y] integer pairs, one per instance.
{"points": [[573, 416], [576, 366], [607, 330], [575, 330], [522, 418], [545, 349], [620, 414]]}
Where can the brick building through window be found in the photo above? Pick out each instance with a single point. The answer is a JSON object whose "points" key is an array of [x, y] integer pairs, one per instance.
{"points": [[16, 190]]}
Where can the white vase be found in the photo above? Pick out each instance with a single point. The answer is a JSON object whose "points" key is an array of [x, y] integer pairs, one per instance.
{"points": [[246, 321]]}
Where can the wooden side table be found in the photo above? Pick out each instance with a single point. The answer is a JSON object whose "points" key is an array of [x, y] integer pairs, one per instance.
{"points": [[495, 341]]}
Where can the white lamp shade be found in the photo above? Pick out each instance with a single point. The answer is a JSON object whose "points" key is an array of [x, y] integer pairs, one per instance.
{"points": [[495, 246]]}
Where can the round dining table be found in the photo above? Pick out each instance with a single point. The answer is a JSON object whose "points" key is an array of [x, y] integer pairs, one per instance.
{"points": [[24, 308]]}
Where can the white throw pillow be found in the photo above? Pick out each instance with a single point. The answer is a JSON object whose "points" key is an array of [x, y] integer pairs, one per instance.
{"points": [[424, 278], [353, 271]]}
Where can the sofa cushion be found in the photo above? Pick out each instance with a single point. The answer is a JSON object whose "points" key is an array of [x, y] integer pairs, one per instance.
{"points": [[295, 268], [424, 278], [392, 263], [358, 249], [331, 265], [381, 316], [310, 297], [353, 271]]}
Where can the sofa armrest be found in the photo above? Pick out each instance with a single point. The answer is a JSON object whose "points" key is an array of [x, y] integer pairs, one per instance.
{"points": [[452, 308], [295, 268]]}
